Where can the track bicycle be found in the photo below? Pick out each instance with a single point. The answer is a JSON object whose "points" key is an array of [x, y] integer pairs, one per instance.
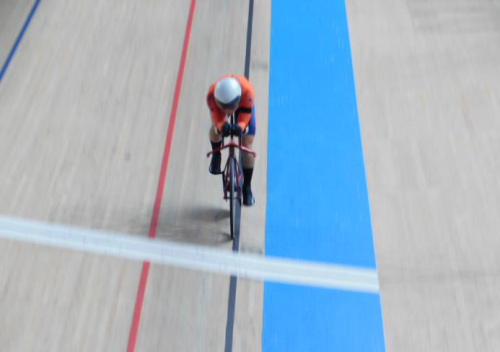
{"points": [[232, 177]]}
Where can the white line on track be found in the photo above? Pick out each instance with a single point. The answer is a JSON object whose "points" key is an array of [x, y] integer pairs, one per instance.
{"points": [[208, 259]]}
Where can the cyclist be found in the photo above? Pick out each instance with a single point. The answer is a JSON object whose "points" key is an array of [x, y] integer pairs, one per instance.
{"points": [[233, 94]]}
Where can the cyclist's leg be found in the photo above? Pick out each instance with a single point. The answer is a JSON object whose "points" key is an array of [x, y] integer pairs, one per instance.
{"points": [[247, 161], [216, 142], [214, 135]]}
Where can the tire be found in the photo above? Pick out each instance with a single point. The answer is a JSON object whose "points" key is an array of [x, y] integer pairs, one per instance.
{"points": [[232, 197]]}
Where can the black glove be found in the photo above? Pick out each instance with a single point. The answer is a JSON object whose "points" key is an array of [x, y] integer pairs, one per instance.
{"points": [[237, 130], [226, 129]]}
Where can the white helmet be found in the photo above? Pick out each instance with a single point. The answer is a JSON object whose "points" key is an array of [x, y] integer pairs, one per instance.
{"points": [[227, 93]]}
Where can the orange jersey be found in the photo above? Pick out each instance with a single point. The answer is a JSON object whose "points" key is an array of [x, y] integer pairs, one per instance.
{"points": [[244, 107]]}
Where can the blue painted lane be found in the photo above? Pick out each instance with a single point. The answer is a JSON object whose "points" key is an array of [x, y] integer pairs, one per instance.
{"points": [[311, 319], [317, 201], [317, 205]]}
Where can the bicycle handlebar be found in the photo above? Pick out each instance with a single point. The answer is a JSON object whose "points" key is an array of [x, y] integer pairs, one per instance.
{"points": [[233, 144]]}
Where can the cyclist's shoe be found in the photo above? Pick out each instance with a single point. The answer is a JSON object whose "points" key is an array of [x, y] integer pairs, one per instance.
{"points": [[248, 198], [215, 164]]}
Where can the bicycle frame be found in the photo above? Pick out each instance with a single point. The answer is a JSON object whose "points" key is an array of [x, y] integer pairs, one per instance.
{"points": [[232, 154]]}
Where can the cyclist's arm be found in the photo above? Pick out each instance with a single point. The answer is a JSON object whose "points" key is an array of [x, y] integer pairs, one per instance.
{"points": [[218, 117], [245, 109], [244, 116]]}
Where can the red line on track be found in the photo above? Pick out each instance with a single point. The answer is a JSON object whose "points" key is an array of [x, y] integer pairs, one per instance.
{"points": [[134, 328]]}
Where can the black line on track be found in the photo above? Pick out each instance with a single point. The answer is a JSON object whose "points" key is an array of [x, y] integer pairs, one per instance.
{"points": [[232, 289], [236, 242], [230, 317], [249, 39]]}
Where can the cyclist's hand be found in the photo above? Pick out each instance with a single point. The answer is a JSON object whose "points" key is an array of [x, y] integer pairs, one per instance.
{"points": [[237, 131], [226, 129]]}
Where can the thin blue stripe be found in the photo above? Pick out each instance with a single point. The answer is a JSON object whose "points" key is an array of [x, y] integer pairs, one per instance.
{"points": [[317, 200], [18, 40]]}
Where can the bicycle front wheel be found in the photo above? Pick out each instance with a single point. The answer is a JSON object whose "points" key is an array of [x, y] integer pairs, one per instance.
{"points": [[233, 198]]}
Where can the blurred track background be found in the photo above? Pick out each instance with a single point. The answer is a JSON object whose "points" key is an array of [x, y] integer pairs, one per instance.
{"points": [[85, 105]]}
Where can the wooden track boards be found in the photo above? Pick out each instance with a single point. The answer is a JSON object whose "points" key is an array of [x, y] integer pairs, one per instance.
{"points": [[428, 89], [85, 109]]}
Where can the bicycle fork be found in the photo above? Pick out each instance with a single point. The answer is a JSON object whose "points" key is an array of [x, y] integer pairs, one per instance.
{"points": [[226, 175]]}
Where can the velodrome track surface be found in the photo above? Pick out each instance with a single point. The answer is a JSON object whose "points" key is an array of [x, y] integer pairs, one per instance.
{"points": [[85, 106]]}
